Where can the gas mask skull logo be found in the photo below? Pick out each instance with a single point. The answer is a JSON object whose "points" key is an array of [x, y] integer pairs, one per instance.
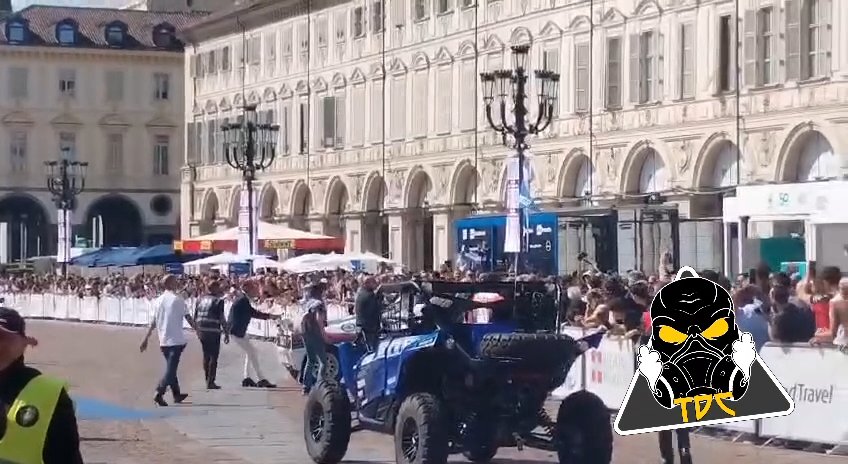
{"points": [[696, 351]]}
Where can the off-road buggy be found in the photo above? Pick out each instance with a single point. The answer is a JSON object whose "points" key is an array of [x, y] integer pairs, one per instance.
{"points": [[443, 385]]}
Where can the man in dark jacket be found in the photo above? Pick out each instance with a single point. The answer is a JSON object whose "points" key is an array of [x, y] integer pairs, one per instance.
{"points": [[241, 313], [27, 397], [211, 323], [368, 311]]}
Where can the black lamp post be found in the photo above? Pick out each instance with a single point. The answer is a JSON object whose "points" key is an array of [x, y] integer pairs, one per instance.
{"points": [[511, 84], [65, 181], [249, 147]]}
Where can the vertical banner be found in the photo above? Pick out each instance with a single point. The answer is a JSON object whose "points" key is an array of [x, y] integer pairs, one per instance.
{"points": [[517, 196], [244, 221], [63, 245]]}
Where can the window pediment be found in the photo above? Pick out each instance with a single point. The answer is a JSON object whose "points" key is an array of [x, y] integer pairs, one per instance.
{"points": [[65, 119], [17, 118]]}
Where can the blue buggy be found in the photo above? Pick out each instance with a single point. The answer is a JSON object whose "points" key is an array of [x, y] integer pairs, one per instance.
{"points": [[443, 383]]}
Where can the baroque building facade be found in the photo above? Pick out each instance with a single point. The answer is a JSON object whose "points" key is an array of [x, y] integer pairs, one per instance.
{"points": [[99, 86], [384, 140]]}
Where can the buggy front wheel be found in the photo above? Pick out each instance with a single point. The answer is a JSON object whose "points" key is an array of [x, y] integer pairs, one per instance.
{"points": [[420, 431], [583, 433], [326, 423]]}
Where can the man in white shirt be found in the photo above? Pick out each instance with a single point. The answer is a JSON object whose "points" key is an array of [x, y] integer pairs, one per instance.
{"points": [[170, 311]]}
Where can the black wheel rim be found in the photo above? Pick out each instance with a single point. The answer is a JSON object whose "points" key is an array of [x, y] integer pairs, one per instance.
{"points": [[316, 423], [409, 440]]}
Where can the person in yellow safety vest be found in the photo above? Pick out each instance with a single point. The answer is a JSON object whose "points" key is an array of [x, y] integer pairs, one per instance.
{"points": [[40, 425]]}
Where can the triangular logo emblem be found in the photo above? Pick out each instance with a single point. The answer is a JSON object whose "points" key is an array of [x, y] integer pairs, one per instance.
{"points": [[698, 368]]}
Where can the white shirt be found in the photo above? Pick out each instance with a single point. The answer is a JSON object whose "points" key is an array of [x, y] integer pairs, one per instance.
{"points": [[170, 313]]}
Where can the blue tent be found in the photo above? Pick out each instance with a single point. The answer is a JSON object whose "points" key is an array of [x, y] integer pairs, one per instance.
{"points": [[163, 254], [96, 258], [117, 257]]}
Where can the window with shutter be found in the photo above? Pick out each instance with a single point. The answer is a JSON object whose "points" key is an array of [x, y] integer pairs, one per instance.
{"points": [[419, 107], [114, 86], [378, 130], [766, 40], [358, 20], [317, 118], [810, 22], [726, 54], [225, 58], [398, 115], [321, 31], [399, 13], [303, 127], [115, 150], [443, 6], [191, 146], [211, 142], [647, 67], [340, 24], [634, 76], [328, 122], [303, 36], [422, 9], [220, 154], [613, 74], [287, 42], [285, 130], [212, 66], [581, 78], [444, 102], [750, 49], [357, 124], [467, 97], [687, 61]]}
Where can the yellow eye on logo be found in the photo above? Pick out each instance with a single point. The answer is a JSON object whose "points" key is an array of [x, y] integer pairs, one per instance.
{"points": [[670, 335], [719, 328]]}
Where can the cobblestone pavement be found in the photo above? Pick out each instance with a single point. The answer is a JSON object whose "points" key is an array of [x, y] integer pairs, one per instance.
{"points": [[236, 425]]}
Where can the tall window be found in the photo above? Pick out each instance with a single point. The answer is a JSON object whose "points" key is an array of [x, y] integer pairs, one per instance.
{"points": [[421, 9], [17, 32], [68, 145], [285, 129], [270, 53], [444, 98], [550, 62], [66, 34], [18, 83], [377, 16], [67, 83], [808, 38], [613, 93], [397, 121], [726, 54], [161, 148], [357, 124], [467, 95], [114, 86], [18, 151], [645, 66], [162, 87], [211, 142], [358, 20], [377, 119], [333, 110], [582, 55], [321, 31], [420, 97], [115, 153], [687, 61], [760, 47], [443, 6]]}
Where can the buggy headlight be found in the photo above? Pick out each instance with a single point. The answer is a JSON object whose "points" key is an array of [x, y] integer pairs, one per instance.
{"points": [[450, 343]]}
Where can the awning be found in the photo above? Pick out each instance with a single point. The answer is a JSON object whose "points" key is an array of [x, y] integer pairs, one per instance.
{"points": [[271, 237]]}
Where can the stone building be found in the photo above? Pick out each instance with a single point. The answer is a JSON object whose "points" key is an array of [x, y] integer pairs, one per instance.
{"points": [[384, 140]]}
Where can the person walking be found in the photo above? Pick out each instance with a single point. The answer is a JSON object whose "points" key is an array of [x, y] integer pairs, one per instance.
{"points": [[40, 425], [170, 311], [211, 323], [241, 313], [312, 328]]}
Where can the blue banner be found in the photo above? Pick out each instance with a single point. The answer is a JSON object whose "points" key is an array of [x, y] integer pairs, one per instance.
{"points": [[241, 269], [174, 268], [541, 244]]}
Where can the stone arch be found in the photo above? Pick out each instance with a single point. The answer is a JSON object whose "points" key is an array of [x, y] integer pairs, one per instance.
{"points": [[647, 7], [238, 100], [493, 43], [521, 36], [550, 30], [269, 202], [337, 197], [464, 183], [119, 218], [580, 21], [377, 70], [420, 61], [467, 47], [28, 226], [443, 56], [357, 77], [642, 156], [711, 168], [210, 207], [269, 94], [235, 205], [374, 193], [808, 147], [417, 189], [613, 15], [301, 199], [397, 66], [574, 175], [339, 80]]}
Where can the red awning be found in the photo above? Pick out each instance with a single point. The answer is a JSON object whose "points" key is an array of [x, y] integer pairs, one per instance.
{"points": [[271, 237]]}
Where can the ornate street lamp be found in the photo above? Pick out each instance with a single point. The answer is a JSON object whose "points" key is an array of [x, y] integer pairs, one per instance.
{"points": [[65, 181], [505, 85], [249, 147]]}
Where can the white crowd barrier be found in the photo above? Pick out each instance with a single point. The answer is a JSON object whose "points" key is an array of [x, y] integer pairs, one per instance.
{"points": [[815, 377]]}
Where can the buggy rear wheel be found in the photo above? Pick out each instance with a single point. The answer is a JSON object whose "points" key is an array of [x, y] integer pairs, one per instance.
{"points": [[538, 350], [326, 423], [583, 433], [420, 431]]}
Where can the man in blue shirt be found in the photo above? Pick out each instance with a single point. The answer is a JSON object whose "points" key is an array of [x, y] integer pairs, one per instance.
{"points": [[241, 313], [750, 316]]}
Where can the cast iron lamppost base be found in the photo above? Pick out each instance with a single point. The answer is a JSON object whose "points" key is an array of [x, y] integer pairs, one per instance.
{"points": [[65, 181], [249, 147], [503, 85]]}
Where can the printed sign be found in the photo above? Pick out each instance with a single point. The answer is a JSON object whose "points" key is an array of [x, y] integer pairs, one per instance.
{"points": [[698, 368], [540, 248], [174, 268], [475, 251], [241, 269]]}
